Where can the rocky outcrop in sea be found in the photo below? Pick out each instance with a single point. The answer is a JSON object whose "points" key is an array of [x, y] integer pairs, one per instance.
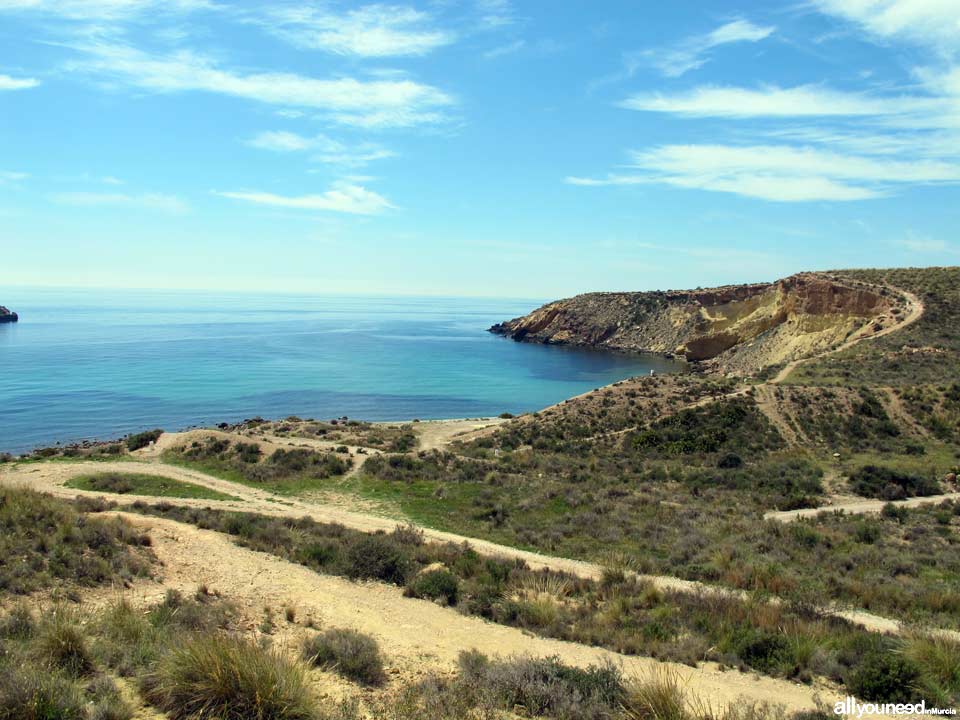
{"points": [[7, 316]]}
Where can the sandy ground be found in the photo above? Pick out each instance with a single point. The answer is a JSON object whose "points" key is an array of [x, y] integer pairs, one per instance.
{"points": [[416, 636], [437, 434]]}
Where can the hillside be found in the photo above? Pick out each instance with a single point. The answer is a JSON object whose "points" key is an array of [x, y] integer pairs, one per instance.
{"points": [[769, 543], [7, 315], [738, 329]]}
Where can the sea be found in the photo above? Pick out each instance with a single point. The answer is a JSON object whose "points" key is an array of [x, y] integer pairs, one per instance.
{"points": [[94, 364]]}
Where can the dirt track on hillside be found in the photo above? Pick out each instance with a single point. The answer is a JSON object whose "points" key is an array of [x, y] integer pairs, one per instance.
{"points": [[416, 636], [50, 477]]}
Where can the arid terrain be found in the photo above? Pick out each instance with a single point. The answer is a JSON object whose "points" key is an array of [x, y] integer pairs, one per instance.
{"points": [[764, 535]]}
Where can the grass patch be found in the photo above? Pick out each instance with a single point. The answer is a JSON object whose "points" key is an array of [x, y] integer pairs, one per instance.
{"points": [[286, 472], [123, 483], [221, 676], [349, 653], [46, 542]]}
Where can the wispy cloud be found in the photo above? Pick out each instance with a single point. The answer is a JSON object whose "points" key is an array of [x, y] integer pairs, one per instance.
{"points": [[10, 176], [507, 49], [495, 14], [925, 244], [343, 197], [93, 10], [370, 104], [147, 201], [368, 31], [325, 149], [694, 52], [931, 23], [772, 101], [777, 173], [12, 83]]}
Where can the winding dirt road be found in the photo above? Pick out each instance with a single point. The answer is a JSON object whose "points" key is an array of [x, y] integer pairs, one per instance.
{"points": [[50, 477]]}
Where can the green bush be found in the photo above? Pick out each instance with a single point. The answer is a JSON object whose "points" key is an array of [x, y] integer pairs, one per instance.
{"points": [[218, 676], [438, 584], [377, 557], [546, 686], [141, 440], [61, 644], [29, 694], [352, 654], [888, 484], [885, 677]]}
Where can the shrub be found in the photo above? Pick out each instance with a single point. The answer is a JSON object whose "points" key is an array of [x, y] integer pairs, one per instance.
{"points": [[438, 584], [885, 677], [213, 675], [888, 484], [53, 543], [18, 624], [352, 654], [938, 659], [546, 686], [61, 644], [26, 694], [377, 557], [141, 440]]}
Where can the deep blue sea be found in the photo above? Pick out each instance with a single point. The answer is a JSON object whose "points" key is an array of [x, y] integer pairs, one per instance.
{"points": [[100, 364]]}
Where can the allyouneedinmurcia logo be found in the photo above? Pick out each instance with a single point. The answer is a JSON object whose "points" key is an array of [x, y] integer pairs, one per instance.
{"points": [[851, 708]]}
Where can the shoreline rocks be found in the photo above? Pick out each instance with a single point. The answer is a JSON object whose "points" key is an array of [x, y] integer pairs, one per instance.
{"points": [[8, 316]]}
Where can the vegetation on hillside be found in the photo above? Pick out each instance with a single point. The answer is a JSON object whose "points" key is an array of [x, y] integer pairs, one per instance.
{"points": [[124, 483], [283, 471]]}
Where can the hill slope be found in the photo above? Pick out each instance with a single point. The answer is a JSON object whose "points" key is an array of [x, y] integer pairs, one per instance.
{"points": [[738, 329]]}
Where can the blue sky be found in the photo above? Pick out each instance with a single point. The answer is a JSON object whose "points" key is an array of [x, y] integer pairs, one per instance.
{"points": [[474, 147]]}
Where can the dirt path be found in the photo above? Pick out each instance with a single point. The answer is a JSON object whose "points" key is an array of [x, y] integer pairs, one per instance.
{"points": [[437, 434], [858, 507], [768, 404], [49, 477], [412, 633]]}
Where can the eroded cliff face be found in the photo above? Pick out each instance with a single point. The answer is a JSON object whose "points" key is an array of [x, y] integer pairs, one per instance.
{"points": [[7, 315], [738, 329]]}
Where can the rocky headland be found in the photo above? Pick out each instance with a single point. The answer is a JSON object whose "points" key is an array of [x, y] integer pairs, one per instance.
{"points": [[737, 329], [7, 316]]}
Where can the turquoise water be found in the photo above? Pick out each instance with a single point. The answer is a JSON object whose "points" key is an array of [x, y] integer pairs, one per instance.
{"points": [[92, 364]]}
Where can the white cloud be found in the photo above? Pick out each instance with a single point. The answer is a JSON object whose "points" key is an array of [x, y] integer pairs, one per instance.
{"points": [[495, 14], [694, 52], [344, 197], [502, 50], [89, 10], [378, 103], [925, 244], [146, 201], [772, 101], [933, 23], [9, 176], [775, 172], [12, 83], [281, 141], [326, 149], [369, 31]]}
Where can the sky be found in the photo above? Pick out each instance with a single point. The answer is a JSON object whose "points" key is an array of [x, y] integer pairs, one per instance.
{"points": [[474, 147]]}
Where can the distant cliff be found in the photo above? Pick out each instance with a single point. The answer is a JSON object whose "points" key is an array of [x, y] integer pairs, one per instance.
{"points": [[736, 328], [7, 315]]}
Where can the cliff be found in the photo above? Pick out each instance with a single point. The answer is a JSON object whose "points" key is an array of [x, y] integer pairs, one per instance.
{"points": [[7, 315], [737, 329]]}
